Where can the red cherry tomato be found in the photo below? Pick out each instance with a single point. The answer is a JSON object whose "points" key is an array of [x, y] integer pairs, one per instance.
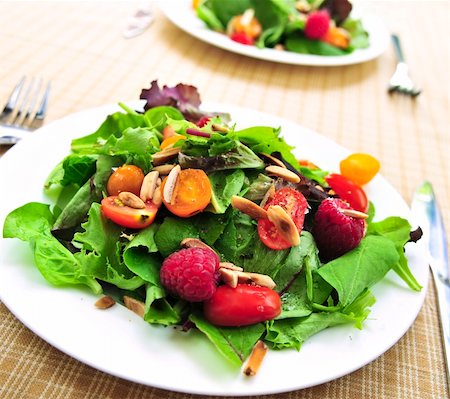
{"points": [[348, 191], [125, 216], [295, 204], [241, 306]]}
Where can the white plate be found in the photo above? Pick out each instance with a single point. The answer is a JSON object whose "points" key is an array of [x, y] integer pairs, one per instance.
{"points": [[120, 343], [181, 13]]}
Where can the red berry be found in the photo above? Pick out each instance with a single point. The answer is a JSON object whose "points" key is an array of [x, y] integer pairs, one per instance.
{"points": [[334, 232], [242, 38], [191, 274], [317, 24]]}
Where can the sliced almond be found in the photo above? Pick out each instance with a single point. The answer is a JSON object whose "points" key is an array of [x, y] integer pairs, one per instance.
{"points": [[220, 128], [149, 185], [248, 207], [165, 169], [354, 213], [284, 173], [255, 359], [268, 195], [134, 305], [256, 278], [229, 277], [273, 160], [169, 186], [162, 157], [284, 224], [231, 266], [131, 200], [157, 196], [105, 302], [194, 243]]}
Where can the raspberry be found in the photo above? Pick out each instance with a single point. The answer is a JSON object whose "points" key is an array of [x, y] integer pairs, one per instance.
{"points": [[317, 25], [191, 273], [334, 232]]}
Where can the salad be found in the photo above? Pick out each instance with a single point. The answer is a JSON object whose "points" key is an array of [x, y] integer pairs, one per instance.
{"points": [[320, 27], [191, 222]]}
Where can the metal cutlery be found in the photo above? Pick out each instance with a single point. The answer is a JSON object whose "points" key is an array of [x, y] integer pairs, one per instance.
{"points": [[425, 209], [24, 110], [400, 81]]}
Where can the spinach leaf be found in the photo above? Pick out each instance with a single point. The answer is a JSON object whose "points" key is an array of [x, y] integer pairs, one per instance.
{"points": [[397, 230], [100, 255], [360, 268], [225, 10], [223, 186], [235, 344], [291, 333], [32, 222], [171, 232], [298, 43]]}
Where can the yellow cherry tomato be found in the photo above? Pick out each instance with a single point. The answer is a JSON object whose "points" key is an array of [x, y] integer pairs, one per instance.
{"points": [[360, 168]]}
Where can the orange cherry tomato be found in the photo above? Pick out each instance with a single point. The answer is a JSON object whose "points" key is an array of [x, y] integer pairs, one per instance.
{"points": [[241, 306], [348, 191], [125, 216], [171, 140], [192, 193], [359, 168], [126, 178], [295, 204]]}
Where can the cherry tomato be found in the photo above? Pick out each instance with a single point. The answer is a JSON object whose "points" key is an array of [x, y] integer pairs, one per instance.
{"points": [[126, 178], [125, 216], [348, 191], [241, 306], [359, 168], [295, 204], [192, 193]]}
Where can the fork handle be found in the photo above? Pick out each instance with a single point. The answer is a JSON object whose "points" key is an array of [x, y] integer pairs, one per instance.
{"points": [[398, 48]]}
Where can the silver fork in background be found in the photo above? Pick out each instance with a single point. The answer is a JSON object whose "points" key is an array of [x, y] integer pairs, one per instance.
{"points": [[400, 81], [24, 110]]}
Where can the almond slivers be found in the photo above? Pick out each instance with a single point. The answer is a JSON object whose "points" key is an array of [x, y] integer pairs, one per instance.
{"points": [[284, 224], [248, 207], [134, 305], [255, 359], [284, 173]]}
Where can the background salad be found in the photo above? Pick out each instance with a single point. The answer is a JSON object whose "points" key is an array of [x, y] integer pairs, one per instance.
{"points": [[321, 27]]}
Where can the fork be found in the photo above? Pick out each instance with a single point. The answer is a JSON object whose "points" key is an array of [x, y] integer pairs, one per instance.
{"points": [[24, 111], [400, 81]]}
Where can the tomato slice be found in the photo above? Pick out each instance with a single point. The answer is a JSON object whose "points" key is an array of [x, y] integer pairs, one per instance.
{"points": [[295, 204], [348, 191], [125, 216], [241, 306]]}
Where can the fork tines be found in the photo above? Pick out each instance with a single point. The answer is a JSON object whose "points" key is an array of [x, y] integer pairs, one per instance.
{"points": [[27, 104]]}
